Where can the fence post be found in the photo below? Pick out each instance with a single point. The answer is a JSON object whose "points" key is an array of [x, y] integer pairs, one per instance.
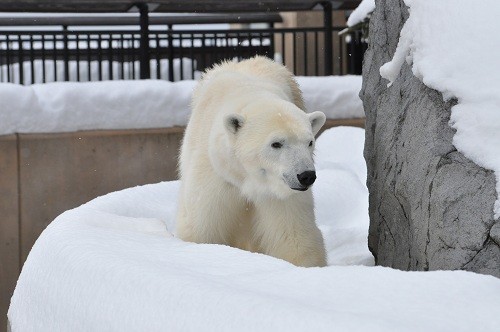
{"points": [[145, 71], [65, 55], [171, 53], [327, 22]]}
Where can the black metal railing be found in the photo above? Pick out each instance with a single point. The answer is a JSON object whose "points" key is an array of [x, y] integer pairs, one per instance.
{"points": [[28, 57]]}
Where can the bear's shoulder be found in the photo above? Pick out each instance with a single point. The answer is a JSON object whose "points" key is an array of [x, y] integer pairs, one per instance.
{"points": [[263, 68]]}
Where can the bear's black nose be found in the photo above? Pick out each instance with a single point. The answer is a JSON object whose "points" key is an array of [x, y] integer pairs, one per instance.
{"points": [[307, 178]]}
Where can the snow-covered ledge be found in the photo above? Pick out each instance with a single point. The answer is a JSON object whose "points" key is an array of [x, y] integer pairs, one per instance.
{"points": [[68, 106], [113, 264]]}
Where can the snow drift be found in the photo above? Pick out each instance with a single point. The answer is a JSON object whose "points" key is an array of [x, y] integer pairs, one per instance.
{"points": [[113, 264]]}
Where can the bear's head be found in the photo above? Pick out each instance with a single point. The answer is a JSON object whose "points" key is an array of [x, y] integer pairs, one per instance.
{"points": [[271, 145]]}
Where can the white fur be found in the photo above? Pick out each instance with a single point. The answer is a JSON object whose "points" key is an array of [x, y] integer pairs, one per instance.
{"points": [[236, 188]]}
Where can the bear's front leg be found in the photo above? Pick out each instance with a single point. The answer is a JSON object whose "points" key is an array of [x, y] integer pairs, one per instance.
{"points": [[210, 212], [287, 229]]}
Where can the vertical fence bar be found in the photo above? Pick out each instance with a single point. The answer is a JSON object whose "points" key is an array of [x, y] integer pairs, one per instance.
{"points": [[89, 57], [42, 54], [99, 55], [20, 59], [203, 54], [272, 41], [192, 56], [230, 46], [66, 53], [181, 54], [32, 60], [170, 53], [7, 44], [110, 56], [122, 57], [77, 56], [327, 22], [158, 56], [283, 48], [294, 52], [261, 46], [1, 60], [145, 70], [54, 38], [133, 48]]}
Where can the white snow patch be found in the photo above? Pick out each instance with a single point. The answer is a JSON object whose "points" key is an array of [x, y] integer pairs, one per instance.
{"points": [[336, 96], [112, 264], [361, 12], [444, 41], [71, 106]]}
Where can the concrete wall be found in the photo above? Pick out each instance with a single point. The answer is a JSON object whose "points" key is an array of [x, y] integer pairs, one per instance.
{"points": [[9, 223], [43, 175]]}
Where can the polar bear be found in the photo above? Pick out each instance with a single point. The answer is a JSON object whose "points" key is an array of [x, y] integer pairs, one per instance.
{"points": [[246, 164]]}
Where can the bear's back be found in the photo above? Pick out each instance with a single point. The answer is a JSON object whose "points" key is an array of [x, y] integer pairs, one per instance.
{"points": [[230, 75]]}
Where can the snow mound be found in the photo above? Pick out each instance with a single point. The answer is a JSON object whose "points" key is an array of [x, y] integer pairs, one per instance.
{"points": [[112, 264], [71, 106], [441, 40]]}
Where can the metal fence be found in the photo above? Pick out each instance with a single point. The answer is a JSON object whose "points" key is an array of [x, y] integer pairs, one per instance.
{"points": [[28, 57]]}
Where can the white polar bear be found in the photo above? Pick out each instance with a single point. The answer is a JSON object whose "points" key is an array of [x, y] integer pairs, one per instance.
{"points": [[246, 164]]}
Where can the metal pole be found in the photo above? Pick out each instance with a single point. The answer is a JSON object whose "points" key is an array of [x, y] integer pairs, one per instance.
{"points": [[145, 72], [171, 53], [272, 36], [327, 22], [65, 54]]}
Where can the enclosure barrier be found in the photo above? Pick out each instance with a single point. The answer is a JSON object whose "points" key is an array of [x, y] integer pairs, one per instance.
{"points": [[33, 56]]}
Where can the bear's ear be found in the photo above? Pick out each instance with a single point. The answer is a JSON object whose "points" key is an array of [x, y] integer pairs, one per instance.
{"points": [[234, 122], [317, 119]]}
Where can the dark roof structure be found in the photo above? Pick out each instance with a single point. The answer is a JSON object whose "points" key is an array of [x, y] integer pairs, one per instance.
{"points": [[125, 19], [168, 6]]}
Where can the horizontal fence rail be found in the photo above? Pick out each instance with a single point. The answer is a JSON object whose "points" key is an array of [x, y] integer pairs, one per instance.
{"points": [[28, 57]]}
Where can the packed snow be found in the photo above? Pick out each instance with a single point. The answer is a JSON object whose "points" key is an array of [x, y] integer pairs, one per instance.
{"points": [[113, 264], [450, 46], [71, 106], [365, 8]]}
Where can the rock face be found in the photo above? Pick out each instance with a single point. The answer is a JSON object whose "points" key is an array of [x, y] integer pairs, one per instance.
{"points": [[430, 207]]}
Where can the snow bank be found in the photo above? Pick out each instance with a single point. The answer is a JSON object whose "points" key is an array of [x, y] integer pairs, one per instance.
{"points": [[112, 264], [67, 106], [442, 40], [361, 12]]}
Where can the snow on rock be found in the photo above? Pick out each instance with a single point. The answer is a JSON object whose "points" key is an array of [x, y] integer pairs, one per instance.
{"points": [[443, 40], [113, 264], [70, 106], [361, 12]]}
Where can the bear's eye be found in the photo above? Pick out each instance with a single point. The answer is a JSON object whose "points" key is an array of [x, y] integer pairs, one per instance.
{"points": [[311, 143], [276, 145]]}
